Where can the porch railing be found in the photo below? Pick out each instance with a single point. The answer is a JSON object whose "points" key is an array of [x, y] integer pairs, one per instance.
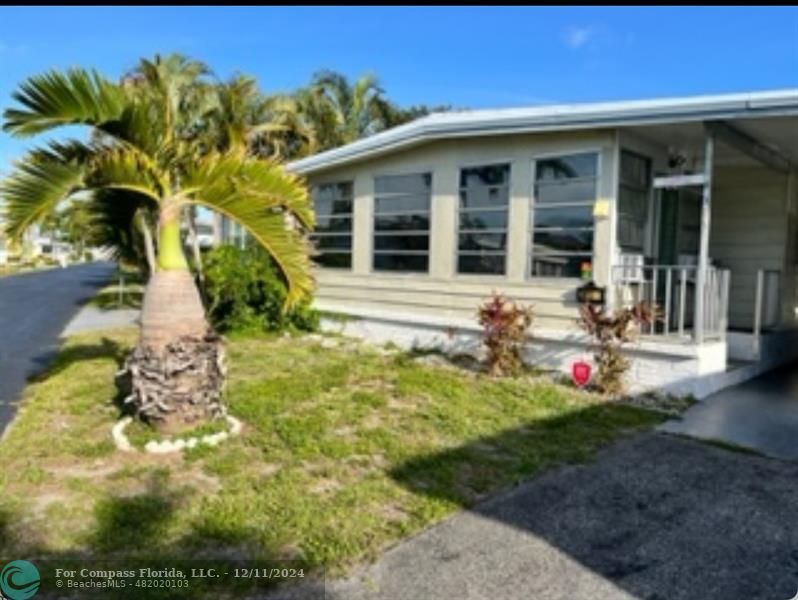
{"points": [[672, 289]]}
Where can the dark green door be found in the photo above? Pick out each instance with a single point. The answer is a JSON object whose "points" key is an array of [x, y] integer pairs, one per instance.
{"points": [[668, 227]]}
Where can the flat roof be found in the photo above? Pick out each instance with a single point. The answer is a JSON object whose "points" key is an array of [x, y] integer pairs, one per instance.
{"points": [[555, 117]]}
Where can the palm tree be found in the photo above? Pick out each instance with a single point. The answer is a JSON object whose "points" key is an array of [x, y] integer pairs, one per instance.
{"points": [[265, 126], [342, 111], [141, 159]]}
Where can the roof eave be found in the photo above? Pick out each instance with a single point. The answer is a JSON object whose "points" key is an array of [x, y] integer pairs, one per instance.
{"points": [[425, 130]]}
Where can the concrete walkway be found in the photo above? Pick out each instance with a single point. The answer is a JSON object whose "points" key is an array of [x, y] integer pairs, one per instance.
{"points": [[655, 517], [91, 318], [761, 414], [34, 307]]}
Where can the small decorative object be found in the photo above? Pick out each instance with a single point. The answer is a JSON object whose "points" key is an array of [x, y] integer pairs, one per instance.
{"points": [[590, 293], [586, 271], [167, 446], [580, 372]]}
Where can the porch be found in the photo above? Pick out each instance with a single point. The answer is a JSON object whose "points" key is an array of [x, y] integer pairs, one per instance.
{"points": [[710, 242]]}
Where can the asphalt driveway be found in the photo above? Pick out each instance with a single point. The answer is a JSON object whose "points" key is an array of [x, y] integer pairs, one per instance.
{"points": [[655, 517], [760, 414], [34, 308]]}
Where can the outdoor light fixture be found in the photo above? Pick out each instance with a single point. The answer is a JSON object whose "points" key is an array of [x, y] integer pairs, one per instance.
{"points": [[590, 293]]}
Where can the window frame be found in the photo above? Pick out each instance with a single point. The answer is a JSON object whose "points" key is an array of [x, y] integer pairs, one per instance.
{"points": [[531, 213], [456, 249], [373, 252], [646, 241], [350, 215]]}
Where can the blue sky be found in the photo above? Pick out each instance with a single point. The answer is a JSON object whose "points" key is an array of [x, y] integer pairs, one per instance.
{"points": [[466, 57]]}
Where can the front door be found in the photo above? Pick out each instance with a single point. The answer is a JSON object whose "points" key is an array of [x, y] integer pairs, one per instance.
{"points": [[679, 226], [679, 231]]}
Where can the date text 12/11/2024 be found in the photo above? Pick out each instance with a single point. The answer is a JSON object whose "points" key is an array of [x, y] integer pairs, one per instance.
{"points": [[254, 573]]}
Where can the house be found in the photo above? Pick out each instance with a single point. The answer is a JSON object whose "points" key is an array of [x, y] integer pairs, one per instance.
{"points": [[688, 203]]}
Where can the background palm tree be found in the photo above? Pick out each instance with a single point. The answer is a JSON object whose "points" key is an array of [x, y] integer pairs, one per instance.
{"points": [[342, 111], [145, 159], [263, 126]]}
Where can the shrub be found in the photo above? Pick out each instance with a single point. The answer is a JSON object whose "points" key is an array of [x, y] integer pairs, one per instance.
{"points": [[504, 330], [245, 291], [610, 331]]}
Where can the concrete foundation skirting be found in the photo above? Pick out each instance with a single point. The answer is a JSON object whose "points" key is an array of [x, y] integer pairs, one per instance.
{"points": [[675, 368]]}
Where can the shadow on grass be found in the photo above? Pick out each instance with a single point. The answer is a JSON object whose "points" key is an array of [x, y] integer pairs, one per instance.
{"points": [[466, 474], [135, 531], [55, 361], [655, 517]]}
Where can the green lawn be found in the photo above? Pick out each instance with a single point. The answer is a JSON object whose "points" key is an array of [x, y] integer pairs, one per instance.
{"points": [[345, 450]]}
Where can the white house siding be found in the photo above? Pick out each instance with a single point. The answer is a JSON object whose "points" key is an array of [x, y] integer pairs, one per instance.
{"points": [[442, 291], [749, 232]]}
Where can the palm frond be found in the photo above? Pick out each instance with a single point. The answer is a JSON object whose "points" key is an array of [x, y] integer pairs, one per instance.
{"points": [[138, 125], [264, 198], [126, 168], [115, 218], [54, 99], [40, 181]]}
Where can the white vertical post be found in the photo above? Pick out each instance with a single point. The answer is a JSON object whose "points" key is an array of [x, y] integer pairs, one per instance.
{"points": [[682, 300], [668, 286], [703, 249], [760, 287], [654, 281]]}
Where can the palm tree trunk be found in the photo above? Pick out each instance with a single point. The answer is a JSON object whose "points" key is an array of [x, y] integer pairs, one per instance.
{"points": [[176, 372], [172, 307]]}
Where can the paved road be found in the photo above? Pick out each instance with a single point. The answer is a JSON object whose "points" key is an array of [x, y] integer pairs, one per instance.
{"points": [[34, 308], [655, 517], [761, 414]]}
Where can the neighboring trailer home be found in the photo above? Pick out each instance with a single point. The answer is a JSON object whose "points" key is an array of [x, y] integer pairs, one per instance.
{"points": [[689, 203]]}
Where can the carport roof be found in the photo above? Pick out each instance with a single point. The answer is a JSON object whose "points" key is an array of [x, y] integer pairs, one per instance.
{"points": [[559, 117]]}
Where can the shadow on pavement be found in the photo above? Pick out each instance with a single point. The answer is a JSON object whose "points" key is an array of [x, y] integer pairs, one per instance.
{"points": [[658, 517]]}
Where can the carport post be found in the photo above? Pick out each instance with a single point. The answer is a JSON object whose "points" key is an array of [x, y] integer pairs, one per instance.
{"points": [[703, 249]]}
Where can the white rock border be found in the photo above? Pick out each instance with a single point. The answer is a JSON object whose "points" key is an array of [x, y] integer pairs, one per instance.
{"points": [[169, 446]]}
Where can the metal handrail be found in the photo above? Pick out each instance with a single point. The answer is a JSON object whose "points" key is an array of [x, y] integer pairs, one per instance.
{"points": [[667, 287]]}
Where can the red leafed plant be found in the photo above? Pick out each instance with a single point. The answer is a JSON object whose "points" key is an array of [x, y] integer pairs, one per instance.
{"points": [[610, 331], [505, 326]]}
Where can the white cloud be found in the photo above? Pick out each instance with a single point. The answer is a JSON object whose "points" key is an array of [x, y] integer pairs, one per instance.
{"points": [[578, 37]]}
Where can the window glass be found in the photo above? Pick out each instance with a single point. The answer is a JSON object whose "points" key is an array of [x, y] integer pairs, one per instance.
{"points": [[402, 222], [566, 167], [561, 215], [633, 201], [560, 265], [401, 262], [332, 237], [482, 219], [481, 263]]}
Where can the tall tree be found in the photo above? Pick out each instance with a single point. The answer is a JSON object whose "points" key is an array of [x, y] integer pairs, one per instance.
{"points": [[140, 153], [265, 126], [342, 111]]}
